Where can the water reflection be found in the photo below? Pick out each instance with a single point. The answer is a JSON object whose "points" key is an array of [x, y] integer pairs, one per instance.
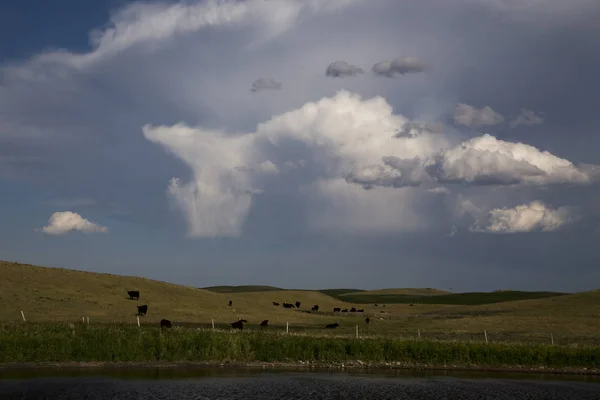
{"points": [[193, 372]]}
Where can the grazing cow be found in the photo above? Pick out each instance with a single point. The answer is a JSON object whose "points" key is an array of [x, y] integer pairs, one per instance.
{"points": [[361, 310], [315, 308], [275, 304], [337, 309], [375, 305], [332, 326], [353, 309], [142, 310], [265, 323], [133, 293], [230, 303], [165, 323], [345, 310], [367, 320], [238, 324], [288, 305], [297, 304]]}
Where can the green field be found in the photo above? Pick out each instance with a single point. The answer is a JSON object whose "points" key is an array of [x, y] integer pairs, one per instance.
{"points": [[26, 343], [63, 295]]}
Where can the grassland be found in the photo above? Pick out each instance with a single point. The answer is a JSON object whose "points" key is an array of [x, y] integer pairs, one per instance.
{"points": [[54, 294], [242, 289], [27, 343], [403, 296]]}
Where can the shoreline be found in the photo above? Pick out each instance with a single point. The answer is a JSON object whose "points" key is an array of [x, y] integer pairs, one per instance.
{"points": [[338, 367]]}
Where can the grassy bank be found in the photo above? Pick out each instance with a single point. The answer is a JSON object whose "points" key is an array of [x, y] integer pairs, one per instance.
{"points": [[26, 343]]}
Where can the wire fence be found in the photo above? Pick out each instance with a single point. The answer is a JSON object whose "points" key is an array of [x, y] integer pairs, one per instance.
{"points": [[352, 330]]}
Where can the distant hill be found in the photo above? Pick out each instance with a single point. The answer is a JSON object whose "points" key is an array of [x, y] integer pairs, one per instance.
{"points": [[470, 298], [242, 289], [400, 291], [335, 293]]}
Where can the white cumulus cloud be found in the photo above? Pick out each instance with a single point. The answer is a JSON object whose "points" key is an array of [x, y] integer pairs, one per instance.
{"points": [[488, 160], [535, 216], [344, 133], [66, 221]]}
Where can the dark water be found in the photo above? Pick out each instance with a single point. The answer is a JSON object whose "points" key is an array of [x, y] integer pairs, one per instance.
{"points": [[211, 383]]}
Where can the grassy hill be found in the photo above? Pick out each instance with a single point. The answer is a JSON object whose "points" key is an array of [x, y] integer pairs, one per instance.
{"points": [[46, 294], [55, 294], [241, 289], [399, 291], [472, 298]]}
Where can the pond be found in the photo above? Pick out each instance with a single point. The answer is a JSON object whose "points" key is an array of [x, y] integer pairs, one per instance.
{"points": [[235, 383]]}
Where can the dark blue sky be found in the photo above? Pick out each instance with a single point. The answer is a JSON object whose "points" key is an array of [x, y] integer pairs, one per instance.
{"points": [[99, 131]]}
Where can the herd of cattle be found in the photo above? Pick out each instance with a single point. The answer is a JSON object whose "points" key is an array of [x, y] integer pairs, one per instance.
{"points": [[239, 324]]}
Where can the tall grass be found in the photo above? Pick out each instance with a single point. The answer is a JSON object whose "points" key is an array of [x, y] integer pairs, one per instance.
{"points": [[59, 342]]}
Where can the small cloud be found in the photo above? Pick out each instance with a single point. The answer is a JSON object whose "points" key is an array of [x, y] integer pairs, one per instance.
{"points": [[402, 66], [265, 84], [474, 118], [535, 216], [395, 172], [339, 69], [66, 221], [414, 129], [453, 231], [527, 118]]}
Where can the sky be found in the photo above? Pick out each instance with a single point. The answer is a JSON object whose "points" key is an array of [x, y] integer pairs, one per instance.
{"points": [[305, 143]]}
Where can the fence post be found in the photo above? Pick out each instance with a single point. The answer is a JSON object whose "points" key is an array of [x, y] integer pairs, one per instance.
{"points": [[88, 320], [287, 327], [357, 331], [23, 315], [419, 333], [83, 320], [552, 339], [138, 320], [486, 339], [213, 324]]}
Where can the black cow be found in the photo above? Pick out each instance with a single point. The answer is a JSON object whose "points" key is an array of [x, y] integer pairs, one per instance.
{"points": [[133, 293], [375, 305], [361, 310], [288, 305], [275, 304], [367, 320], [238, 325], [353, 309], [297, 304], [337, 309], [230, 303], [142, 310], [265, 323], [315, 308], [332, 326], [345, 310], [165, 323]]}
